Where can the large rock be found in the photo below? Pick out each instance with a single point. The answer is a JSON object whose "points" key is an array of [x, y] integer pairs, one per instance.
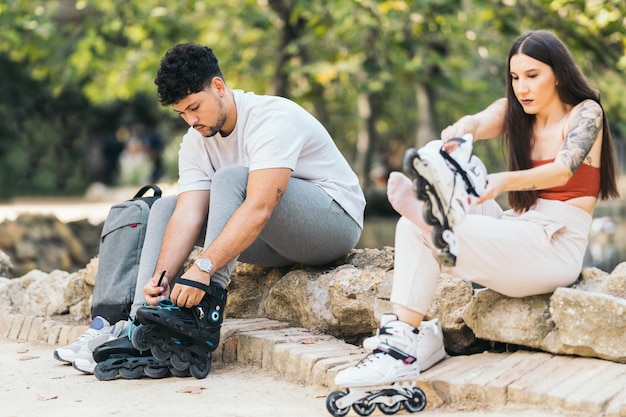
{"points": [[43, 242], [5, 264], [346, 299]]}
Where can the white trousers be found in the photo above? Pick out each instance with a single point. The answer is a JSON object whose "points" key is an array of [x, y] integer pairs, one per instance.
{"points": [[517, 255]]}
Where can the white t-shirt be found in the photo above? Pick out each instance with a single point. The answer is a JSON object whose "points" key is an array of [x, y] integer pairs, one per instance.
{"points": [[272, 132]]}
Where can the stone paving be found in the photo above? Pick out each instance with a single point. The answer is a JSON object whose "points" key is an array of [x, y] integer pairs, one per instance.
{"points": [[571, 386]]}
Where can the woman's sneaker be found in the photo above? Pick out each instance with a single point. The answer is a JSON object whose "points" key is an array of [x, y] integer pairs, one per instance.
{"points": [[430, 333], [98, 332], [402, 352]]}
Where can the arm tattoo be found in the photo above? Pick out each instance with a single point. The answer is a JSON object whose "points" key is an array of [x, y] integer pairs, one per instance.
{"points": [[279, 194], [586, 124]]}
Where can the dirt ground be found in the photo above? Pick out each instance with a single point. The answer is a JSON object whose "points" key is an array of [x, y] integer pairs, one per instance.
{"points": [[33, 383]]}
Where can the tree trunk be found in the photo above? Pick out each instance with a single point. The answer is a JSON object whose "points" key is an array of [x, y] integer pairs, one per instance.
{"points": [[424, 96]]}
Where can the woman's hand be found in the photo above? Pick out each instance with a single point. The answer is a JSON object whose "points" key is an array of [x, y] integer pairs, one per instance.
{"points": [[496, 185]]}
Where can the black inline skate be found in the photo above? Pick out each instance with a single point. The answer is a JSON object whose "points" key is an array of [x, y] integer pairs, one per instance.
{"points": [[448, 184], [184, 336], [120, 357]]}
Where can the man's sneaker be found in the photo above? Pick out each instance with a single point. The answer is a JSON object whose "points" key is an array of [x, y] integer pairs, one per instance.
{"points": [[98, 331], [402, 352], [87, 364]]}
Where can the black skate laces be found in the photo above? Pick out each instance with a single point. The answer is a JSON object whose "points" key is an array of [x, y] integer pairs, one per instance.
{"points": [[468, 182]]}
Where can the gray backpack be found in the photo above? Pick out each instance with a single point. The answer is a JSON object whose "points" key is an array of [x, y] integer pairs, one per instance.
{"points": [[121, 241]]}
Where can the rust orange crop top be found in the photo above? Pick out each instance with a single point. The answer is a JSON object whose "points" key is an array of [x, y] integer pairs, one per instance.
{"points": [[585, 182]]}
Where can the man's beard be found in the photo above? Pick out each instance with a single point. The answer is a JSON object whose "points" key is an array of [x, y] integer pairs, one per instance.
{"points": [[219, 124]]}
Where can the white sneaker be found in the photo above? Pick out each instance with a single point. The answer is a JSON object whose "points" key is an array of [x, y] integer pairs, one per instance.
{"points": [[402, 352], [87, 364], [98, 330], [372, 342], [458, 179], [430, 331]]}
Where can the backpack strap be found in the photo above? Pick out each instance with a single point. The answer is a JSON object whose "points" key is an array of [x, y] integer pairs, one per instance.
{"points": [[148, 200], [155, 188]]}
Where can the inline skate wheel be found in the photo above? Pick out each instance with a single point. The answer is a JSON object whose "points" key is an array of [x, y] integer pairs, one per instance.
{"points": [[138, 338], [420, 189], [160, 353], [417, 403], [331, 404], [200, 371], [386, 409], [364, 409], [155, 372], [438, 239], [428, 214], [178, 363], [134, 373], [104, 374], [407, 163]]}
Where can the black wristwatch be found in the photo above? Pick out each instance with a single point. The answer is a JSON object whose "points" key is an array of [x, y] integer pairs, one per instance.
{"points": [[205, 265]]}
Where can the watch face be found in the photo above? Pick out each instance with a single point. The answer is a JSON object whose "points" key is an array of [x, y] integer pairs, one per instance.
{"points": [[205, 265]]}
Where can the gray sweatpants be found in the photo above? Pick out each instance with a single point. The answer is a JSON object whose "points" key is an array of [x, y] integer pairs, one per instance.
{"points": [[307, 227]]}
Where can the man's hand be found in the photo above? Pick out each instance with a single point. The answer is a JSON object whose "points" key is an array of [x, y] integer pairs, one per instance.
{"points": [[186, 296], [153, 291]]}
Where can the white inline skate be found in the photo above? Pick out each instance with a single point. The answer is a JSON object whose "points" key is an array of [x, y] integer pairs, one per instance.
{"points": [[448, 184], [386, 377]]}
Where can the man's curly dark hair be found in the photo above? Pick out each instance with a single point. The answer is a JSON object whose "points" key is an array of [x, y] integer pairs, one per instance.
{"points": [[185, 69]]}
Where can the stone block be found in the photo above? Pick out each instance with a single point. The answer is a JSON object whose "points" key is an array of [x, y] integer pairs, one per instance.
{"points": [[16, 326], [6, 321], [54, 332], [34, 334]]}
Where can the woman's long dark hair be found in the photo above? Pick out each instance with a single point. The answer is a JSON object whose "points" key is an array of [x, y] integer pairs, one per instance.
{"points": [[572, 88]]}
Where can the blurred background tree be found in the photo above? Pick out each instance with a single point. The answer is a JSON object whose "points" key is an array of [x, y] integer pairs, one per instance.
{"points": [[77, 75]]}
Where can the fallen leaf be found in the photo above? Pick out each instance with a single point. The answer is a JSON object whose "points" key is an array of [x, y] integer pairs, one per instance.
{"points": [[24, 350], [27, 358], [191, 390], [42, 397]]}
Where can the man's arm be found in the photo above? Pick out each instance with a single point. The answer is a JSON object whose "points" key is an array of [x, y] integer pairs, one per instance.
{"points": [[264, 190]]}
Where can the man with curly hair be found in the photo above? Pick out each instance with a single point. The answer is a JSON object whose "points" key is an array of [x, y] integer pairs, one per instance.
{"points": [[263, 175], [260, 181]]}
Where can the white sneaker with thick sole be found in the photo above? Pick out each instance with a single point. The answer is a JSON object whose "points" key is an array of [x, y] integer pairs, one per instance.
{"points": [[430, 330], [98, 331], [401, 354], [87, 364]]}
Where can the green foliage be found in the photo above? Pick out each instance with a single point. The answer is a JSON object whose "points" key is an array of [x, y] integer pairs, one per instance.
{"points": [[76, 70]]}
